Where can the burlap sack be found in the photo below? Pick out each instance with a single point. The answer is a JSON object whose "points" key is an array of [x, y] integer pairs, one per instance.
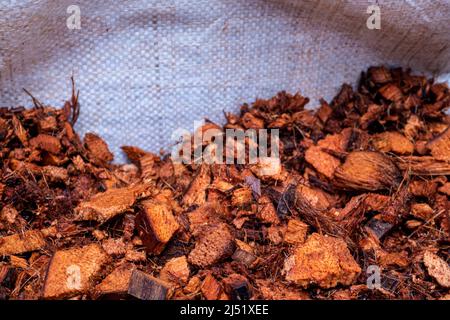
{"points": [[145, 68]]}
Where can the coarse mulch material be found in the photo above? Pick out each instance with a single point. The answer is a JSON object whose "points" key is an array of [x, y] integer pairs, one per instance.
{"points": [[357, 208]]}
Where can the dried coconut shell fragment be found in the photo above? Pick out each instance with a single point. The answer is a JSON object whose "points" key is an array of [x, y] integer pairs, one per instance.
{"points": [[47, 124], [241, 197], [323, 161], [156, 226], [391, 92], [19, 131], [423, 166], [324, 112], [437, 268], [445, 189], [366, 170], [266, 211], [392, 142], [249, 121], [196, 192], [106, 205], [212, 289], [214, 244], [275, 290], [176, 271], [117, 282], [422, 211], [27, 241], [379, 75], [237, 287], [316, 197], [47, 143], [8, 214], [321, 260], [296, 232], [97, 148], [374, 111], [73, 271], [412, 127], [440, 146], [268, 168], [209, 213]]}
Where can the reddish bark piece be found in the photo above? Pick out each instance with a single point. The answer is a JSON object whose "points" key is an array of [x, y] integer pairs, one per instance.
{"points": [[212, 289], [323, 161], [208, 213], [156, 225], [277, 291], [423, 166], [148, 164], [295, 232], [422, 211], [114, 247], [55, 174], [379, 75], [445, 189], [420, 188], [266, 211], [73, 271], [321, 260], [97, 148], [193, 286], [324, 112], [391, 92], [48, 124], [276, 234], [374, 111], [214, 244], [145, 287], [376, 202], [8, 214], [31, 240], [237, 287], [221, 185], [135, 256], [117, 282], [412, 127], [396, 259], [437, 268], [19, 130], [440, 146], [18, 262], [106, 205], [47, 143], [196, 192], [251, 122], [241, 197], [392, 142], [176, 271]]}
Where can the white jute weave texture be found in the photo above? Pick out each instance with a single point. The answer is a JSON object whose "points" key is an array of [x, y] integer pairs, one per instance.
{"points": [[145, 68]]}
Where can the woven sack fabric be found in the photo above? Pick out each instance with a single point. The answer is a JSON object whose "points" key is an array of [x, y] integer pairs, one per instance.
{"points": [[146, 68]]}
